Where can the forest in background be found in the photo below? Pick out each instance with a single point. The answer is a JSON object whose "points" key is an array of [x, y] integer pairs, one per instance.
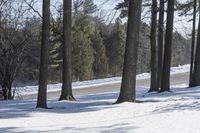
{"points": [[98, 47]]}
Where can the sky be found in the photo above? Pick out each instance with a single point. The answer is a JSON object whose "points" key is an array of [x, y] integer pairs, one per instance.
{"points": [[181, 24], [106, 7]]}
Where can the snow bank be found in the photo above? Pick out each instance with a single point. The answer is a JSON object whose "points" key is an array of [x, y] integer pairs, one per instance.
{"points": [[91, 83], [180, 69]]}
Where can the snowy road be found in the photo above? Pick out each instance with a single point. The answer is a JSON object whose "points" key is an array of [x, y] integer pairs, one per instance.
{"points": [[176, 79]]}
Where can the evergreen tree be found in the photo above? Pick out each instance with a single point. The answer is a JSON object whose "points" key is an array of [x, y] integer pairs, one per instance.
{"points": [[160, 41], [185, 9], [44, 57], [127, 91], [193, 44], [123, 6], [154, 70], [66, 93], [165, 86], [83, 53], [196, 73], [55, 51], [115, 48], [100, 66]]}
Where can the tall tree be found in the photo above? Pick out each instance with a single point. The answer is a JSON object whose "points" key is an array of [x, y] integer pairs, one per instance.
{"points": [[154, 84], [165, 86], [66, 93], [115, 48], [44, 56], [83, 52], [160, 42], [100, 66], [127, 91], [193, 43], [196, 73]]}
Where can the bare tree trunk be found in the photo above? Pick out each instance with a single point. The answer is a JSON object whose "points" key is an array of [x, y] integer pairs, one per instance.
{"points": [[154, 66], [160, 42], [5, 92], [165, 86], [127, 92], [10, 91], [196, 74], [193, 44], [44, 57], [66, 93]]}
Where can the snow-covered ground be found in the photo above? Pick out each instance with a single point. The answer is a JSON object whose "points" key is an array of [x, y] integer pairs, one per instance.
{"points": [[170, 112], [97, 82]]}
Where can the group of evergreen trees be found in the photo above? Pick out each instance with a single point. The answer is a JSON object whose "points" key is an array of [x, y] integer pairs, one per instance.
{"points": [[98, 48]]}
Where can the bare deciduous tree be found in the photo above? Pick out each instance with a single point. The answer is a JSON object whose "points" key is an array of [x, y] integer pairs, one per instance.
{"points": [[13, 43]]}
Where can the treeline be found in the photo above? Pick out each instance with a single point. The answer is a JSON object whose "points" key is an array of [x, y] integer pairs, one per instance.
{"points": [[98, 50]]}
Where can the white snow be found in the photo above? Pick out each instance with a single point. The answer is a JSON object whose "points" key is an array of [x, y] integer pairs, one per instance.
{"points": [[180, 69], [97, 82], [169, 112]]}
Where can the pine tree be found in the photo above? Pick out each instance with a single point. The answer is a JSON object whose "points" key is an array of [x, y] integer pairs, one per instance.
{"points": [[115, 48], [127, 91], [154, 70], [193, 44], [160, 42], [165, 86], [55, 52], [196, 73], [100, 66], [123, 6], [66, 93], [185, 9], [83, 53], [44, 57]]}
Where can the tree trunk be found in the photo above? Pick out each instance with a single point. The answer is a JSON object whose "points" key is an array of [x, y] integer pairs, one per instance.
{"points": [[44, 57], [154, 84], [193, 44], [10, 96], [165, 86], [5, 92], [66, 93], [127, 92], [196, 74], [160, 42]]}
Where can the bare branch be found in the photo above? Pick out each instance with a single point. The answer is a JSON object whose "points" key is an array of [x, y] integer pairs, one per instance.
{"points": [[31, 6]]}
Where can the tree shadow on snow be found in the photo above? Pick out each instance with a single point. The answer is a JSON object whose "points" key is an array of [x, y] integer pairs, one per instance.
{"points": [[119, 127], [88, 103], [180, 99]]}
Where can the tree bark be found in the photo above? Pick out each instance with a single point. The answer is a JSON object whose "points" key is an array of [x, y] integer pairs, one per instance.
{"points": [[193, 44], [127, 91], [66, 93], [196, 74], [154, 66], [165, 86], [160, 42], [44, 57]]}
